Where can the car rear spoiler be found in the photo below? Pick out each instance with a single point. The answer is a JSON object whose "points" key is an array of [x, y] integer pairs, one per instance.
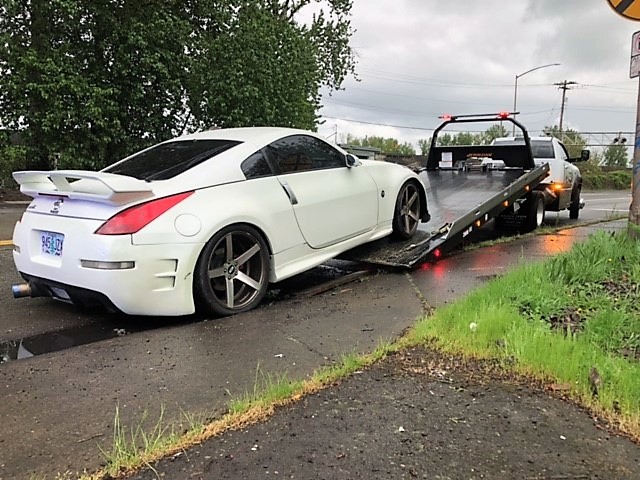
{"points": [[100, 187]]}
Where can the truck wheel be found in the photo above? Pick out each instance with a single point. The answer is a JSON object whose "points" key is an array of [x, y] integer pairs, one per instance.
{"points": [[574, 206], [407, 212], [534, 210]]}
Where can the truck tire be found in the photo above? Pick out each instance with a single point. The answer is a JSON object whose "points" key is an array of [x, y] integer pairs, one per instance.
{"points": [[574, 206], [534, 211]]}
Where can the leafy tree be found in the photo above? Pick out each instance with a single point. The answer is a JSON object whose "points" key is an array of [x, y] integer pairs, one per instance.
{"points": [[494, 131], [386, 145], [591, 168], [97, 79], [571, 139], [424, 144], [615, 155], [462, 138], [446, 139]]}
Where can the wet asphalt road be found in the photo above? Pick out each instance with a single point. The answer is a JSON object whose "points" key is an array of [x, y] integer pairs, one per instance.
{"points": [[58, 408]]}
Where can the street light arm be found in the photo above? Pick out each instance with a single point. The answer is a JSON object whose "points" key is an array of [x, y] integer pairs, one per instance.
{"points": [[515, 86], [537, 68]]}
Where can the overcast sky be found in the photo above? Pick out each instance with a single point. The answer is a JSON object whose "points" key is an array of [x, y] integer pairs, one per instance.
{"points": [[418, 59]]}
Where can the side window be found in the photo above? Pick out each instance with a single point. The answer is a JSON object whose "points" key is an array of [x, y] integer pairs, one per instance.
{"points": [[256, 166], [299, 153]]}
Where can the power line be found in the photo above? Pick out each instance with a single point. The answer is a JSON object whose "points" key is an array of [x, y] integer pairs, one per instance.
{"points": [[593, 139]]}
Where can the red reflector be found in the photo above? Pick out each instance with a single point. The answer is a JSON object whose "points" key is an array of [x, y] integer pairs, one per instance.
{"points": [[446, 117], [137, 217], [503, 115]]}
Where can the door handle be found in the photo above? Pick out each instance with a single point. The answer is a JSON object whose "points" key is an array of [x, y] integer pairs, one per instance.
{"points": [[288, 190]]}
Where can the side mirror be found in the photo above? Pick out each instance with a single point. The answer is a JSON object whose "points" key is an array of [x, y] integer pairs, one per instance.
{"points": [[585, 155], [351, 160]]}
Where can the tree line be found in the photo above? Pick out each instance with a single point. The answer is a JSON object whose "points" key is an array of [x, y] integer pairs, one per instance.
{"points": [[91, 81], [613, 155]]}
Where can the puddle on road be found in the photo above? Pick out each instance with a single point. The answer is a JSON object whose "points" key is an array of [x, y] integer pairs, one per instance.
{"points": [[61, 340], [49, 342]]}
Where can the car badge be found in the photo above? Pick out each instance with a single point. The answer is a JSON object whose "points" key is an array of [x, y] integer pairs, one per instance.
{"points": [[56, 206]]}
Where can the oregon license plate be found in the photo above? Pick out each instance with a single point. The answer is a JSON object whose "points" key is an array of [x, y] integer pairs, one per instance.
{"points": [[51, 243]]}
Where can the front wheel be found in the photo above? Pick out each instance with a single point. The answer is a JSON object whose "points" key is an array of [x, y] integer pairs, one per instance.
{"points": [[232, 273], [406, 214]]}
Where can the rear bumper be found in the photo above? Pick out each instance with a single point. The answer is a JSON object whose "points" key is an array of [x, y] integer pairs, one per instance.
{"points": [[41, 287], [108, 270]]}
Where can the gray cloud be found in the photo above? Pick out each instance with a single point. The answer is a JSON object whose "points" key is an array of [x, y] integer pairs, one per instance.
{"points": [[420, 58]]}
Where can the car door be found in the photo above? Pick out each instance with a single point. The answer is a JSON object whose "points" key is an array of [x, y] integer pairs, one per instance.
{"points": [[331, 201]]}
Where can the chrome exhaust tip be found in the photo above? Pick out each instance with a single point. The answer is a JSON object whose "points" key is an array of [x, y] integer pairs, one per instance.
{"points": [[21, 290]]}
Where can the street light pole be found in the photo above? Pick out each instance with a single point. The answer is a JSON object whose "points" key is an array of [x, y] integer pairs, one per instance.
{"points": [[515, 88]]}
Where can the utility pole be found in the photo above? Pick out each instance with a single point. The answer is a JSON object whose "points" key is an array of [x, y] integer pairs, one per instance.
{"points": [[634, 209], [633, 227], [564, 86]]}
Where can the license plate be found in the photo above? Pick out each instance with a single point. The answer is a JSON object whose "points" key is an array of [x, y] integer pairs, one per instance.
{"points": [[51, 243]]}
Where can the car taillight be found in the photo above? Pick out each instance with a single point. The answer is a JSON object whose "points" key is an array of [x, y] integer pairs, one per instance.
{"points": [[135, 218]]}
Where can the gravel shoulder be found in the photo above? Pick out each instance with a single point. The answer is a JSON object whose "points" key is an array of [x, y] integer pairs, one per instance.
{"points": [[417, 414]]}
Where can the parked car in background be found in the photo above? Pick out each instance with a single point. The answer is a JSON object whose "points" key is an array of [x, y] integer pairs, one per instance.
{"points": [[205, 221]]}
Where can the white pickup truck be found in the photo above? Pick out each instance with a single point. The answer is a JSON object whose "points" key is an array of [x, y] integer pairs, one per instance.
{"points": [[561, 189]]}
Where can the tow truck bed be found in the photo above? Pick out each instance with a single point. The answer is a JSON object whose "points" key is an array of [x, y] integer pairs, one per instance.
{"points": [[459, 202]]}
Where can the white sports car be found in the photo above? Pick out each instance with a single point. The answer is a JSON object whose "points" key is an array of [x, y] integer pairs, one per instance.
{"points": [[205, 221]]}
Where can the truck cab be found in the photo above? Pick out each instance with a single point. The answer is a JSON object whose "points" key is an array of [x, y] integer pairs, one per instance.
{"points": [[563, 186]]}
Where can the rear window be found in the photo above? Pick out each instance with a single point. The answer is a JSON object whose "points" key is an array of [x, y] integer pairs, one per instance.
{"points": [[542, 149], [539, 148], [169, 159]]}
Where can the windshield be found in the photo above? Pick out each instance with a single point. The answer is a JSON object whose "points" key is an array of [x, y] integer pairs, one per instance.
{"points": [[167, 160]]}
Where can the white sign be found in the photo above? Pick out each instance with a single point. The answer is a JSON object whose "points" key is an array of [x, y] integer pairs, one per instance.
{"points": [[634, 69], [446, 160], [635, 44]]}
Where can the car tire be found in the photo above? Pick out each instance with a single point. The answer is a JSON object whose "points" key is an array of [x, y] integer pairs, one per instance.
{"points": [[534, 211], [232, 272], [407, 211], [574, 206]]}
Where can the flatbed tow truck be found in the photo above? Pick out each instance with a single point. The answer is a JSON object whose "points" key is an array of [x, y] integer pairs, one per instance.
{"points": [[463, 194]]}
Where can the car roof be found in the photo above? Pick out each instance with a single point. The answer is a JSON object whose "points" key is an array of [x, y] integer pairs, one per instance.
{"points": [[255, 135]]}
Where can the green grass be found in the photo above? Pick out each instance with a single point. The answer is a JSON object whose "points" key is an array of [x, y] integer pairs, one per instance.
{"points": [[268, 388], [556, 321], [140, 444], [147, 441]]}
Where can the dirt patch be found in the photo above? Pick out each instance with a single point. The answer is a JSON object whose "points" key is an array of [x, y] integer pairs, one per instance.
{"points": [[417, 414]]}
